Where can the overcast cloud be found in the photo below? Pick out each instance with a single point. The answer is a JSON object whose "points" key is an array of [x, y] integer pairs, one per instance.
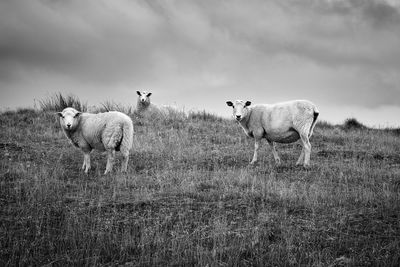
{"points": [[342, 55]]}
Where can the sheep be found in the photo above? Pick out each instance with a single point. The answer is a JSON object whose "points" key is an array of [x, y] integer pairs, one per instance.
{"points": [[145, 108], [284, 122], [110, 131], [143, 102]]}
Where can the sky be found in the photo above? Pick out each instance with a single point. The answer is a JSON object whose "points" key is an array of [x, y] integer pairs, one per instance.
{"points": [[343, 55]]}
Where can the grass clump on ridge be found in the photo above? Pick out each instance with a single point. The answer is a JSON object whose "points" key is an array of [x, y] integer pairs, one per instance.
{"points": [[109, 105], [204, 115], [353, 124], [324, 125], [58, 102]]}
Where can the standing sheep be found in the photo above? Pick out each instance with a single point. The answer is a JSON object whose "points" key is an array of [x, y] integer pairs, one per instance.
{"points": [[284, 122], [110, 131]]}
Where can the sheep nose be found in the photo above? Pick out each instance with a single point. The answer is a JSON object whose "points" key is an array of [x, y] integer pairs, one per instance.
{"points": [[238, 117], [68, 125]]}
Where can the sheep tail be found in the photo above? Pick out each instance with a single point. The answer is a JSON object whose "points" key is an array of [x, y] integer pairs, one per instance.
{"points": [[316, 113], [127, 138]]}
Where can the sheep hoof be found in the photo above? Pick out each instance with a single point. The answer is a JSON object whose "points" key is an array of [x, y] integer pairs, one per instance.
{"points": [[306, 166]]}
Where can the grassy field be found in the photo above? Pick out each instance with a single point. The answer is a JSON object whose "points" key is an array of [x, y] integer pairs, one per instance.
{"points": [[190, 197]]}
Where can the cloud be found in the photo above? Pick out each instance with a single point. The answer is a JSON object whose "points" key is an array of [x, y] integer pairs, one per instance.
{"points": [[381, 14], [85, 40], [331, 51], [336, 33]]}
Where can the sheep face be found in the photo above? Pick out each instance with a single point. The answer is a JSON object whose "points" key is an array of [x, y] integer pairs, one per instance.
{"points": [[69, 118], [144, 97], [240, 109]]}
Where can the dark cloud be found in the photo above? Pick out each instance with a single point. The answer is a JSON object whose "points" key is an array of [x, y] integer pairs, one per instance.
{"points": [[381, 14], [332, 50]]}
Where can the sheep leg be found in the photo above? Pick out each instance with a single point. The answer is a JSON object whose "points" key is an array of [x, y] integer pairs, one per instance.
{"points": [[86, 161], [256, 147], [301, 158], [306, 148], [276, 156], [124, 165], [110, 160]]}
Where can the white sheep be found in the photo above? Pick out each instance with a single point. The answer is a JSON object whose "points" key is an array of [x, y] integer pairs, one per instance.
{"points": [[110, 131], [144, 103], [284, 122], [146, 108]]}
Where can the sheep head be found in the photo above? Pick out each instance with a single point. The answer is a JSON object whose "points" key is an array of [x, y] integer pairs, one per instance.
{"points": [[240, 109], [144, 97], [69, 118]]}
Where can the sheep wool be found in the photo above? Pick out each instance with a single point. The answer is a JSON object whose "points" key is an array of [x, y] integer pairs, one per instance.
{"points": [[284, 122], [143, 101], [145, 107], [110, 131]]}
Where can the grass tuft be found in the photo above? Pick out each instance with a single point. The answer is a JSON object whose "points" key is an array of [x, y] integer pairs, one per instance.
{"points": [[113, 106], [204, 115], [58, 102], [324, 125], [353, 124]]}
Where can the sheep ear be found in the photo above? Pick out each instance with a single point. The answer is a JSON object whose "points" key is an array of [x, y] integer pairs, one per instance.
{"points": [[138, 93], [59, 114], [248, 103], [229, 103], [77, 114], [149, 94]]}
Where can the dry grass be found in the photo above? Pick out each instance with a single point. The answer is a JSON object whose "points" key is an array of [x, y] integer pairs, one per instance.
{"points": [[58, 102], [190, 198]]}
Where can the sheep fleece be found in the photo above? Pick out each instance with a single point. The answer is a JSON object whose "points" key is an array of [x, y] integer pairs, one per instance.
{"points": [[104, 131]]}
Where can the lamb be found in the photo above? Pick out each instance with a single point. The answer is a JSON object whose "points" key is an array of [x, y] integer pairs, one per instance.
{"points": [[284, 122], [110, 131]]}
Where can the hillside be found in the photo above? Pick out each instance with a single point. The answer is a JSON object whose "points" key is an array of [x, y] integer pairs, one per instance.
{"points": [[190, 197]]}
